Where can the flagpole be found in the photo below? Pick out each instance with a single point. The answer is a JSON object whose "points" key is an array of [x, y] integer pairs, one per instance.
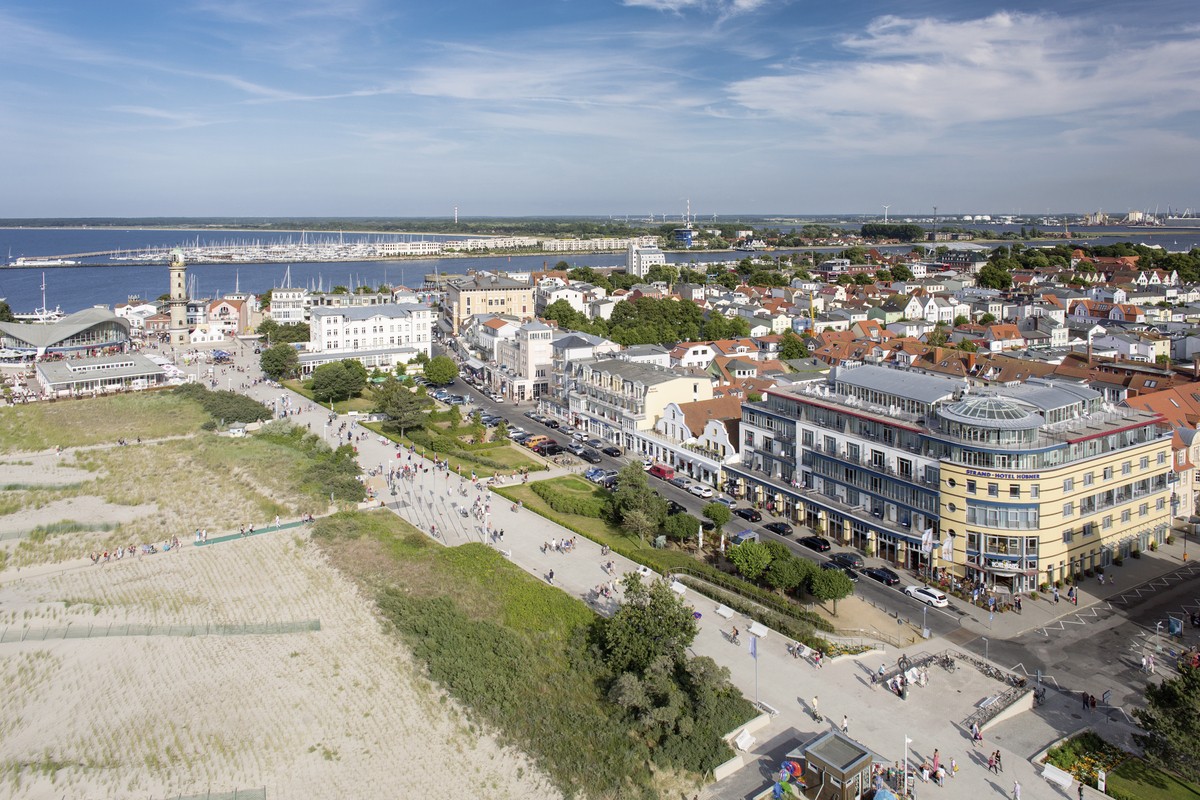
{"points": [[904, 766]]}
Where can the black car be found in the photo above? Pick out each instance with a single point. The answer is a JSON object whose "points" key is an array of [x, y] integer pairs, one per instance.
{"points": [[820, 544], [707, 524], [749, 514], [674, 508], [851, 574], [552, 423], [883, 575], [611, 450], [590, 456], [549, 449], [782, 528], [850, 560]]}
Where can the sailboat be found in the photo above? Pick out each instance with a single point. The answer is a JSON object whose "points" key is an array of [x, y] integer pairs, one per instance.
{"points": [[41, 315]]}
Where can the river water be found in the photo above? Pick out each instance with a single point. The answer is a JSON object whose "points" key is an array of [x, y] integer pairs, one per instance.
{"points": [[75, 288]]}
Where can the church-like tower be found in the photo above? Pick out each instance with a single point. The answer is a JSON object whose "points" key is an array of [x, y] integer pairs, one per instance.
{"points": [[178, 301]]}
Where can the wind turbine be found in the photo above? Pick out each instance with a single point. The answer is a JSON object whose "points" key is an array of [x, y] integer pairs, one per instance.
{"points": [[885, 210]]}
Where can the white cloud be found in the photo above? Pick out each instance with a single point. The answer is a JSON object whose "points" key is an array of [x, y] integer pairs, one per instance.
{"points": [[721, 7], [933, 77]]}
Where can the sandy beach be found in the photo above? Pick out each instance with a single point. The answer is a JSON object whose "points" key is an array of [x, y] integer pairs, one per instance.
{"points": [[337, 712]]}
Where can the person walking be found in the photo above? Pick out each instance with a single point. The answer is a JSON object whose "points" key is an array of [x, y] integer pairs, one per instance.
{"points": [[1055, 594], [992, 763], [816, 714], [1016, 790], [845, 724], [999, 762]]}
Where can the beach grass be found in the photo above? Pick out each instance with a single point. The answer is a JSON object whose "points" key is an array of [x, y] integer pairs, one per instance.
{"points": [[513, 650], [101, 420]]}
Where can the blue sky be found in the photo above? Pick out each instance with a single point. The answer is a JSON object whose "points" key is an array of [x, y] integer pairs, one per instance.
{"points": [[386, 108]]}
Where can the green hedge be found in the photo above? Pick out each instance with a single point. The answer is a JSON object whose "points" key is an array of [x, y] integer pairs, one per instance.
{"points": [[570, 503]]}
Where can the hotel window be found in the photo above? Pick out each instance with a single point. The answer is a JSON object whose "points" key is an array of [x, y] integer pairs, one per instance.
{"points": [[1068, 484], [1127, 468], [1161, 504], [1035, 491], [1145, 462], [1108, 473], [1108, 522], [1162, 458], [971, 487], [1068, 534], [1014, 490], [1125, 515], [993, 490], [1068, 509], [1087, 479]]}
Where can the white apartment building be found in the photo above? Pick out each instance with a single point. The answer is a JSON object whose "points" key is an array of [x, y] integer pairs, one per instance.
{"points": [[639, 259], [378, 336], [523, 364]]}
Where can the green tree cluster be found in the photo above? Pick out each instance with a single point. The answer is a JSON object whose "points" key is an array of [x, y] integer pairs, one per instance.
{"points": [[279, 361], [338, 381], [775, 565], [404, 408], [441, 370], [225, 407], [901, 231], [1171, 721], [675, 701], [635, 506], [274, 332]]}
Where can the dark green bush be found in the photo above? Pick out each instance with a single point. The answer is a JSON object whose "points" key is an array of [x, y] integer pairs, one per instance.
{"points": [[226, 407], [569, 502]]}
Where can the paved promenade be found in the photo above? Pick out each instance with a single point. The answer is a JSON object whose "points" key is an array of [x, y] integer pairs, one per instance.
{"points": [[930, 717]]}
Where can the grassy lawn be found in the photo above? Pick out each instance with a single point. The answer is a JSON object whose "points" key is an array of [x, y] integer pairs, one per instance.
{"points": [[514, 651], [511, 456], [1138, 780], [75, 423], [365, 402]]}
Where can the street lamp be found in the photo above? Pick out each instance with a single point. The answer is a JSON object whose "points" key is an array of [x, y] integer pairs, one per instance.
{"points": [[904, 767], [986, 647]]}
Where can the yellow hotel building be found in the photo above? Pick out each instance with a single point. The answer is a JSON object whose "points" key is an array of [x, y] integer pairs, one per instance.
{"points": [[1009, 488]]}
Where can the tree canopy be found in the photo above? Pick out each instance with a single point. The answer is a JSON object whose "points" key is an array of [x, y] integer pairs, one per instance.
{"points": [[274, 332], [405, 409], [339, 380], [1171, 721], [635, 506], [279, 361], [441, 370], [902, 231]]}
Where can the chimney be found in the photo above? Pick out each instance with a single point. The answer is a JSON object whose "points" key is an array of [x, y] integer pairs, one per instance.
{"points": [[970, 362], [1196, 366], [1089, 349]]}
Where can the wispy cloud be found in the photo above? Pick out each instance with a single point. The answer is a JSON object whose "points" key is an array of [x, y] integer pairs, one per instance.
{"points": [[174, 119], [932, 77], [720, 7]]}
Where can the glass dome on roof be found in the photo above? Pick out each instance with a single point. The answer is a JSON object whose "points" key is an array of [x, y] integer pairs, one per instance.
{"points": [[990, 412]]}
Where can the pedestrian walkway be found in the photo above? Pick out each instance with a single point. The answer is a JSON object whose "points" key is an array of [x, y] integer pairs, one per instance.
{"points": [[229, 537], [930, 717]]}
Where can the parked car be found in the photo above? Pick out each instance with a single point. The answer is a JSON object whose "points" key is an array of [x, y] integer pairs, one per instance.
{"points": [[782, 528], [662, 471], [549, 449], [726, 501], [611, 450], [596, 443], [852, 560], [883, 575], [594, 473], [700, 490], [849, 573], [580, 435], [674, 508], [531, 414], [681, 481], [927, 595], [646, 464], [590, 456], [818, 543], [552, 423], [576, 448], [749, 514], [521, 437]]}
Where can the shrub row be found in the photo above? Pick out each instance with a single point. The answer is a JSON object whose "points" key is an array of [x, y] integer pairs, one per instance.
{"points": [[225, 406], [569, 502]]}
